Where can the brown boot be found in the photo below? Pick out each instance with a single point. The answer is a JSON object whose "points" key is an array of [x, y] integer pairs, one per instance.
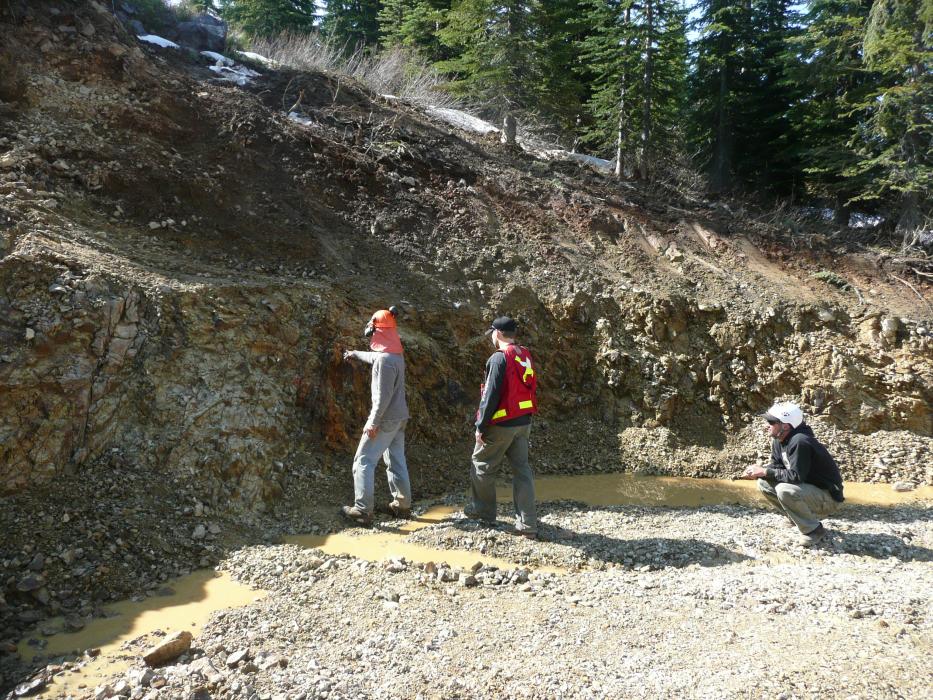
{"points": [[399, 512], [356, 515]]}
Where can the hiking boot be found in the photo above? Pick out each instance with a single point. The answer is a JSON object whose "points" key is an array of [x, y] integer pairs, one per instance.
{"points": [[813, 537], [399, 512], [356, 515], [471, 514]]}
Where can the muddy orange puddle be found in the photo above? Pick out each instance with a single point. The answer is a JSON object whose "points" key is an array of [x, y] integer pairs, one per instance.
{"points": [[195, 597], [634, 489]]}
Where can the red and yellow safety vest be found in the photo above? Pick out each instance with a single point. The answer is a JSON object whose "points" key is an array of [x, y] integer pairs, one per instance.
{"points": [[519, 391]]}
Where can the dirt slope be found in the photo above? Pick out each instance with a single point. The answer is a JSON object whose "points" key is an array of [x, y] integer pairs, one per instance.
{"points": [[181, 267]]}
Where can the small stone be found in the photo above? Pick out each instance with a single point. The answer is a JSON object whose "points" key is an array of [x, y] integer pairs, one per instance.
{"points": [[904, 486], [236, 657], [154, 225], [199, 533], [29, 687], [170, 648], [30, 334], [28, 584]]}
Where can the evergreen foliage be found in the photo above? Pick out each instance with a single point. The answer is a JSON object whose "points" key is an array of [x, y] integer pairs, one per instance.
{"points": [[352, 23], [637, 55], [494, 59], [895, 138], [827, 101], [268, 17]]}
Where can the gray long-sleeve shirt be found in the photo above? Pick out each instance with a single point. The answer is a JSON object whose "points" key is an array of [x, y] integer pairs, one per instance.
{"points": [[388, 387]]}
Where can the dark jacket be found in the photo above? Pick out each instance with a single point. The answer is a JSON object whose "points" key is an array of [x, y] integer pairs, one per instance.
{"points": [[492, 395], [801, 459]]}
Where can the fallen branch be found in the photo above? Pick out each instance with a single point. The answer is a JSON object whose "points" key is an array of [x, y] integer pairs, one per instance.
{"points": [[914, 290]]}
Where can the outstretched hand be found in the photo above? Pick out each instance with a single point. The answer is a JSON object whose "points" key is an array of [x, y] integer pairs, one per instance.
{"points": [[754, 473], [347, 355]]}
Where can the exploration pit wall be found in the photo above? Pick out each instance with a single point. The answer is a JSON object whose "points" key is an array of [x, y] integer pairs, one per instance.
{"points": [[181, 267], [226, 381]]}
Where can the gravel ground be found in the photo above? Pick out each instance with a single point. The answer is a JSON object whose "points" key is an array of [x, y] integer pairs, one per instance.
{"points": [[715, 602]]}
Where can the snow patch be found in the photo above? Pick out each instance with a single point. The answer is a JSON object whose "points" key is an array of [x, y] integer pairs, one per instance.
{"points": [[217, 58], [462, 120], [257, 57], [858, 220], [301, 119], [241, 75], [158, 41], [558, 154]]}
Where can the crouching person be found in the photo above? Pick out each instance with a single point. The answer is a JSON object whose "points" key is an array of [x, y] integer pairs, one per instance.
{"points": [[802, 480]]}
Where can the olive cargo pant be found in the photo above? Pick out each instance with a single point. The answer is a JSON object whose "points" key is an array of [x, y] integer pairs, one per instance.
{"points": [[805, 504], [503, 442]]}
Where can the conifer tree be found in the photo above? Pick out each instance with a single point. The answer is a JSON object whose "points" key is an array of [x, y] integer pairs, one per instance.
{"points": [[725, 31], [415, 25], [268, 17], [825, 64], [493, 59], [352, 23], [896, 142], [637, 56]]}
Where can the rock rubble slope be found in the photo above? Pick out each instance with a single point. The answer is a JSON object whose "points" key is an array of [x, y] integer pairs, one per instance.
{"points": [[182, 265]]}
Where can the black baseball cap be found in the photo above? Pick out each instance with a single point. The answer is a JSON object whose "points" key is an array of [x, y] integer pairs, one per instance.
{"points": [[504, 324]]}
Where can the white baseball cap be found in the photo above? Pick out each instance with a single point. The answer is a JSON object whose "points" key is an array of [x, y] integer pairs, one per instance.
{"points": [[787, 412]]}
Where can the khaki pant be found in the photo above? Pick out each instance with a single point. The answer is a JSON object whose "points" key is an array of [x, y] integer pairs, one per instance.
{"points": [[502, 442], [805, 504]]}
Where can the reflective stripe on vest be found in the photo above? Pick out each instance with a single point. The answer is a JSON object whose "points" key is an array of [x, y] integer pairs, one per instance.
{"points": [[499, 414], [524, 405]]}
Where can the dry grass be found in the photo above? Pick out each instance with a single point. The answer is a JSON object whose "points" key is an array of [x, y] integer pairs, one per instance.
{"points": [[392, 72]]}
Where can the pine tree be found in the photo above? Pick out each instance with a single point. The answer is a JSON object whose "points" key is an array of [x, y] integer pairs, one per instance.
{"points": [[415, 25], [352, 23], [559, 27], [896, 141], [725, 32], [825, 65], [637, 55], [494, 57], [763, 133], [268, 17]]}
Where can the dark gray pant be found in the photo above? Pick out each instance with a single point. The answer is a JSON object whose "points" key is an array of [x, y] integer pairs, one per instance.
{"points": [[502, 442], [805, 504]]}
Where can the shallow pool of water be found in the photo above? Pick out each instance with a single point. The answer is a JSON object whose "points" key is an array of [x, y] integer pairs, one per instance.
{"points": [[636, 489], [189, 606], [196, 596]]}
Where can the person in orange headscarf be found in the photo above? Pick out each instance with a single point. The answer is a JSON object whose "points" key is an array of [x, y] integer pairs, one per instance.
{"points": [[384, 432]]}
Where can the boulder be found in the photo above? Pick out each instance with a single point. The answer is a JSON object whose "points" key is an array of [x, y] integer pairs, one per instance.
{"points": [[170, 648], [203, 33]]}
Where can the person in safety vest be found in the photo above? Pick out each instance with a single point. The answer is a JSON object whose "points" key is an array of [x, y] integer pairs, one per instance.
{"points": [[802, 480], [508, 400], [384, 432]]}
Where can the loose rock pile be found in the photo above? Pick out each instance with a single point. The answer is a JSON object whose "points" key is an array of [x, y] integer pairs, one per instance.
{"points": [[704, 625]]}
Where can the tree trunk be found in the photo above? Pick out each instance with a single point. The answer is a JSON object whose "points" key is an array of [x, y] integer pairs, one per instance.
{"points": [[646, 107], [621, 135], [719, 179], [841, 211]]}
